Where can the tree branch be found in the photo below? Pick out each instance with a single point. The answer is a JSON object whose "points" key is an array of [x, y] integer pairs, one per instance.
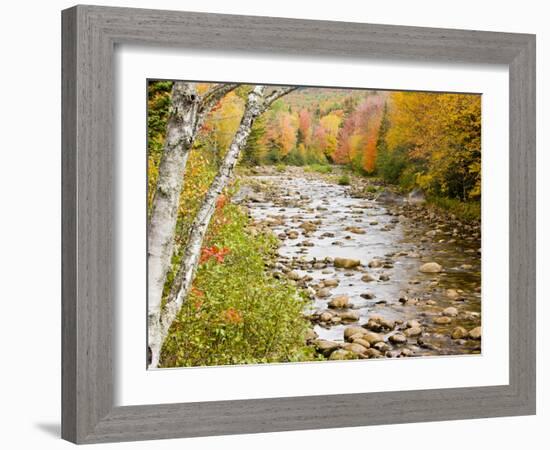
{"points": [[276, 94], [215, 94]]}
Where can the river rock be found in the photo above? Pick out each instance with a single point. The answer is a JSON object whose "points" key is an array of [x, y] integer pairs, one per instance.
{"points": [[346, 263], [293, 275], [341, 355], [372, 338], [412, 324], [375, 263], [373, 353], [355, 230], [443, 320], [308, 226], [331, 283], [353, 331], [361, 342], [459, 333], [323, 293], [382, 347], [416, 196], [475, 333], [430, 267], [367, 278], [349, 316], [326, 347], [414, 331], [384, 277], [388, 197], [377, 323], [450, 311], [398, 338], [311, 335], [452, 294], [325, 316], [355, 348], [340, 301]]}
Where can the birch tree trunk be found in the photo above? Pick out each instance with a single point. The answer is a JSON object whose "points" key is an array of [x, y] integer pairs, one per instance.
{"points": [[256, 104], [187, 114]]}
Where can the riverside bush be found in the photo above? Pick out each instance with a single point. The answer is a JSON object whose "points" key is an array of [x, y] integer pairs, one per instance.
{"points": [[237, 312]]}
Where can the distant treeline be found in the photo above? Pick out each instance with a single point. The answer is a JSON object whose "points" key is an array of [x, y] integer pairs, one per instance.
{"points": [[411, 139]]}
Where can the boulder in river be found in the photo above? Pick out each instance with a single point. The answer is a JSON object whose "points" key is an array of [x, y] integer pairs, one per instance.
{"points": [[346, 263], [293, 275], [443, 320], [373, 353], [367, 278], [452, 294], [451, 311], [412, 324], [311, 335], [373, 338], [459, 333], [326, 347], [416, 196], [430, 267], [375, 263], [323, 293], [355, 348], [331, 283], [398, 338], [378, 323], [353, 331], [342, 355], [340, 302], [475, 333], [349, 316], [361, 341], [412, 332], [387, 196], [355, 230]]}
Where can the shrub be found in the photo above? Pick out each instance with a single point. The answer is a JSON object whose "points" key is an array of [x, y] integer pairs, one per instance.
{"points": [[237, 312], [280, 167], [294, 158], [391, 164], [319, 168], [344, 180], [469, 211]]}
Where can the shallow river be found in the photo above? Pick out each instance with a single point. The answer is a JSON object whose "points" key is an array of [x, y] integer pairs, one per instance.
{"points": [[398, 237]]}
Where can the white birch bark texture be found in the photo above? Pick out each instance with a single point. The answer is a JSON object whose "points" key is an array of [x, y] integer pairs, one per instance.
{"points": [[187, 114], [256, 104]]}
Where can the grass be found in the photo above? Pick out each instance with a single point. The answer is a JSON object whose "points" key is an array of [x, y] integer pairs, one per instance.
{"points": [[468, 211], [344, 180], [319, 168], [280, 167]]}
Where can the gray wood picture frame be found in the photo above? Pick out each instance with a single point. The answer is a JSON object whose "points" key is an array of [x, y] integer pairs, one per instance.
{"points": [[90, 34]]}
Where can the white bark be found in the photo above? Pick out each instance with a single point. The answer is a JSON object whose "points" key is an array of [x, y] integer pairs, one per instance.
{"points": [[256, 104], [187, 114]]}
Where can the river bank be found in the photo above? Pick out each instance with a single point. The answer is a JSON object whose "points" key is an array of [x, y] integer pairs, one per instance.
{"points": [[385, 275]]}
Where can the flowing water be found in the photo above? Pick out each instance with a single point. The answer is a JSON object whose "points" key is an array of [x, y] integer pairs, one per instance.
{"points": [[317, 220]]}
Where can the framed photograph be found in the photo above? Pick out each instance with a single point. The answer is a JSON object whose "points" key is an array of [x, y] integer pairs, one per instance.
{"points": [[278, 224]]}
